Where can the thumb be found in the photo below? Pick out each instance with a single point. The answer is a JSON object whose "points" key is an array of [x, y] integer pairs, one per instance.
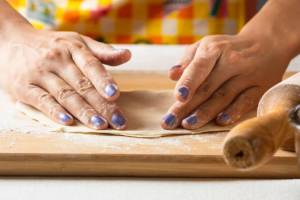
{"points": [[106, 53]]}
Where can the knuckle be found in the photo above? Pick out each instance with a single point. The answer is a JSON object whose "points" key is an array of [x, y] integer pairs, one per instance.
{"points": [[234, 58], [65, 93], [220, 93], [209, 39], [187, 81], [84, 85], [53, 54], [205, 88], [85, 112], [217, 45], [106, 108], [78, 45], [44, 97], [73, 34], [201, 60], [91, 62]]}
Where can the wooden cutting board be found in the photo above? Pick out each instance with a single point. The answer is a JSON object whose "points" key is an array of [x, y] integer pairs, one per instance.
{"points": [[101, 155]]}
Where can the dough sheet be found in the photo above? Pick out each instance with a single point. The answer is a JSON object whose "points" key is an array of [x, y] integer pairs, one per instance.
{"points": [[144, 111]]}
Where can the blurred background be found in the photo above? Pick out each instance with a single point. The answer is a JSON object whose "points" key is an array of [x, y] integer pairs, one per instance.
{"points": [[141, 21]]}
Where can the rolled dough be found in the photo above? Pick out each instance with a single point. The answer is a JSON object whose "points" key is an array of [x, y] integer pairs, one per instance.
{"points": [[143, 109]]}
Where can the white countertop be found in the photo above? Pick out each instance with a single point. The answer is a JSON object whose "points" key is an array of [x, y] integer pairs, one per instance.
{"points": [[149, 58], [147, 189], [161, 58]]}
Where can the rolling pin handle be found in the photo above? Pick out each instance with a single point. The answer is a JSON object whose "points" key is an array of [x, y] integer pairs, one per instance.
{"points": [[295, 115], [295, 119]]}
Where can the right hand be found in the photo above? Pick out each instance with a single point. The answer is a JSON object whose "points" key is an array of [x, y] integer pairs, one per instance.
{"points": [[62, 75]]}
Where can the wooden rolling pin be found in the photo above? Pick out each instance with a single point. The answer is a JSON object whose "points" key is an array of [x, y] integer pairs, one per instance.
{"points": [[253, 142]]}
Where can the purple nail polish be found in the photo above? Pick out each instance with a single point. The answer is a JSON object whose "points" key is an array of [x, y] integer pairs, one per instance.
{"points": [[63, 117], [193, 119], [170, 120], [111, 90], [175, 67], [118, 119], [184, 92], [224, 117], [97, 121]]}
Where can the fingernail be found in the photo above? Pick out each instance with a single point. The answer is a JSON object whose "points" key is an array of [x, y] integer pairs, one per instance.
{"points": [[170, 120], [97, 121], [184, 92], [118, 119], [223, 117], [63, 117], [175, 67], [191, 120], [111, 90]]}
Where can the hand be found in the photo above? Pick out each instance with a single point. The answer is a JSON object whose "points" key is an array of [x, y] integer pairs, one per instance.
{"points": [[62, 75], [223, 77]]}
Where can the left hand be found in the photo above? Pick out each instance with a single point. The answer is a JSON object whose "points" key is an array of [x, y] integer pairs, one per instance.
{"points": [[223, 77]]}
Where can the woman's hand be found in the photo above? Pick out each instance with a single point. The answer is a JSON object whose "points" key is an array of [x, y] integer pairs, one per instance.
{"points": [[62, 75], [223, 77]]}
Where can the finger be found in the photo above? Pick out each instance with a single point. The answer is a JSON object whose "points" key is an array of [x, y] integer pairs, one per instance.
{"points": [[107, 54], [226, 92], [172, 119], [93, 69], [214, 105], [176, 71], [180, 110], [108, 110], [196, 72], [43, 101], [73, 102], [246, 102], [215, 80]]}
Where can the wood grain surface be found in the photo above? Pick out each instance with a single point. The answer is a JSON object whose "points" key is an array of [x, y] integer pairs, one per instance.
{"points": [[64, 154]]}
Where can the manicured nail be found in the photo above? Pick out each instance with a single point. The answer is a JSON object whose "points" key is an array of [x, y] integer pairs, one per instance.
{"points": [[191, 120], [118, 120], [175, 67], [63, 117], [170, 120], [223, 117], [111, 90], [97, 121], [183, 92]]}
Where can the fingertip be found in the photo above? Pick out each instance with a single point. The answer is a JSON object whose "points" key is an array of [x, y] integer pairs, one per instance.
{"points": [[118, 121], [111, 92], [122, 56], [169, 121], [190, 122], [182, 93], [114, 57], [65, 119], [224, 119], [175, 72], [98, 123]]}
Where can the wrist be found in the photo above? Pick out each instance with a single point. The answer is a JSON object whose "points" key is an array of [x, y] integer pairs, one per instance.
{"points": [[12, 24], [281, 43], [15, 31], [279, 29]]}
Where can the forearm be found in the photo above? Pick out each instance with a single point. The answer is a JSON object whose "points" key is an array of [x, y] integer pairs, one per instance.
{"points": [[11, 22], [279, 21]]}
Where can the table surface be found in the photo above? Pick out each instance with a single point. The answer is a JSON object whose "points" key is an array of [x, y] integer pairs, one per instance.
{"points": [[129, 188]]}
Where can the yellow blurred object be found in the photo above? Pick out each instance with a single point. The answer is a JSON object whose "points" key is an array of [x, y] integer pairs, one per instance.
{"points": [[137, 21]]}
